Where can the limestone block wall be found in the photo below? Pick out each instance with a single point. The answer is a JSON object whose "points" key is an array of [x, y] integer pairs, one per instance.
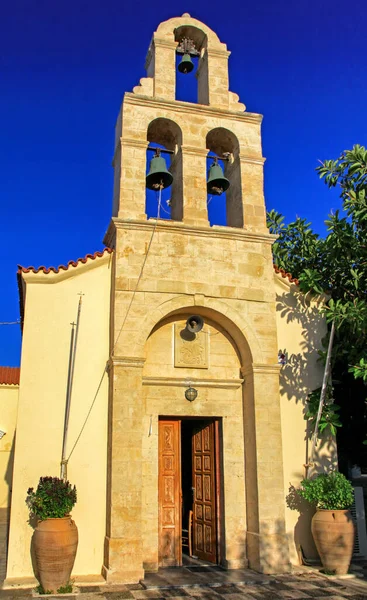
{"points": [[195, 122], [228, 274], [224, 272], [50, 307], [229, 264], [300, 331]]}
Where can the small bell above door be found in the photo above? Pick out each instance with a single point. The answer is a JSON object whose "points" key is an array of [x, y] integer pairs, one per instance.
{"points": [[186, 65], [217, 183], [158, 177]]}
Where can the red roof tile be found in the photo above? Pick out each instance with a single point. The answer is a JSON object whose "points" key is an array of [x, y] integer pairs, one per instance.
{"points": [[9, 375], [71, 263], [46, 270], [286, 275]]}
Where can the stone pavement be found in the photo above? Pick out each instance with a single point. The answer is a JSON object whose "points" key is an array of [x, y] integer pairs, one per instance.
{"points": [[279, 587]]}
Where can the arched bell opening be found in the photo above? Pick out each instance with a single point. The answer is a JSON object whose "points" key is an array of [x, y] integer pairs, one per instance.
{"points": [[186, 81], [164, 194], [223, 144], [191, 77], [217, 196]]}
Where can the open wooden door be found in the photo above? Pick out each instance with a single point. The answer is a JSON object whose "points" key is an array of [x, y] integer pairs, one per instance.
{"points": [[169, 494], [204, 501]]}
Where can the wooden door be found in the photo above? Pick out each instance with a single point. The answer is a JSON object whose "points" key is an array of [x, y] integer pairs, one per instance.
{"points": [[204, 521], [169, 494]]}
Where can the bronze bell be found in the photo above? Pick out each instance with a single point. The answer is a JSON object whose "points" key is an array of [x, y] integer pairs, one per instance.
{"points": [[186, 65], [217, 183], [158, 176]]}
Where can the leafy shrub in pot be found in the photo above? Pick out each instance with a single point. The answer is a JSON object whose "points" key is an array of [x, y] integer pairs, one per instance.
{"points": [[54, 498], [330, 491], [332, 525], [55, 538]]}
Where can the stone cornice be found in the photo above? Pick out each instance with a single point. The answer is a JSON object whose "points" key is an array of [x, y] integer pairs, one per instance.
{"points": [[254, 160], [164, 42], [187, 381], [218, 53], [134, 362], [130, 143], [134, 143], [189, 108], [195, 151], [216, 232], [260, 368]]}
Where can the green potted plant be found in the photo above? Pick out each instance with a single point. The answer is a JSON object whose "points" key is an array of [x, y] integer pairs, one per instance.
{"points": [[332, 525], [55, 538]]}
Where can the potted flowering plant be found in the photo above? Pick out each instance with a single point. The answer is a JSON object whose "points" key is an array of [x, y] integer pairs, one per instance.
{"points": [[56, 535], [332, 524]]}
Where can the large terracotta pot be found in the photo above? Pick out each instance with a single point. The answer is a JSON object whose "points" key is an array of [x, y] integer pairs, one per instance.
{"points": [[55, 544], [333, 533]]}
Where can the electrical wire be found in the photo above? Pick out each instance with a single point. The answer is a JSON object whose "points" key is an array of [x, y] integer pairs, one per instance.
{"points": [[10, 323], [159, 194], [142, 268]]}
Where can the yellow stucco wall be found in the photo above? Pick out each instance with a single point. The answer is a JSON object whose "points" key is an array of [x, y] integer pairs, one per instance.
{"points": [[301, 328], [51, 306], [8, 419]]}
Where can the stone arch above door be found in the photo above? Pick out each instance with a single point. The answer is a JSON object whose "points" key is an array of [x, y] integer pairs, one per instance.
{"points": [[232, 321]]}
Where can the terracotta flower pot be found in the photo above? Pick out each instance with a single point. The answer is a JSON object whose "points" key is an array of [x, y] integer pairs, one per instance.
{"points": [[333, 533], [55, 544]]}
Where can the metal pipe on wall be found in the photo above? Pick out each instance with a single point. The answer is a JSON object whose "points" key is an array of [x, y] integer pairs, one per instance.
{"points": [[69, 388]]}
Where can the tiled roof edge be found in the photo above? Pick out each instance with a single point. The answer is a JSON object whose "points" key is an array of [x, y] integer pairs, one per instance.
{"points": [[286, 275], [9, 375], [46, 270], [71, 263]]}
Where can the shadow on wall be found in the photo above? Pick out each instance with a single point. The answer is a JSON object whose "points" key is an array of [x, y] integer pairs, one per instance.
{"points": [[268, 550], [5, 514], [302, 539], [298, 377], [294, 376]]}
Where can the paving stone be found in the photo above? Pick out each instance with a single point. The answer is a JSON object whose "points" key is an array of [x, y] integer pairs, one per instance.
{"points": [[134, 586], [141, 594], [122, 587], [348, 592], [173, 593], [92, 596], [202, 593], [238, 596], [120, 595]]}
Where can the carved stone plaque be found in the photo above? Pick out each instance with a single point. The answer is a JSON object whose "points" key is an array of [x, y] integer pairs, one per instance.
{"points": [[191, 350]]}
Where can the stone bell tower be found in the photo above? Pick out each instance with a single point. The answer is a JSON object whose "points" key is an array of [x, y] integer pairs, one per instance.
{"points": [[166, 269]]}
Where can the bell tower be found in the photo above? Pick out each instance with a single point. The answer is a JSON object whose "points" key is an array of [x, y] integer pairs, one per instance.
{"points": [[182, 264], [218, 123]]}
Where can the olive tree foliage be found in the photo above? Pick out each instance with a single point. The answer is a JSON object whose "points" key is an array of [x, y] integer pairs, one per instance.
{"points": [[335, 265]]}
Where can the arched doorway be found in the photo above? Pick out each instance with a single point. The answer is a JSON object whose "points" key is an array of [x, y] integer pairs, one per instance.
{"points": [[194, 452]]}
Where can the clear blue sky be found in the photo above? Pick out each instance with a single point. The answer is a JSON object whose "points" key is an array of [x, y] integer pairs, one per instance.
{"points": [[65, 66]]}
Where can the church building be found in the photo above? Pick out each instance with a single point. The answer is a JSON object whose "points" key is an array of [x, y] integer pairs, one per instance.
{"points": [[193, 355]]}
